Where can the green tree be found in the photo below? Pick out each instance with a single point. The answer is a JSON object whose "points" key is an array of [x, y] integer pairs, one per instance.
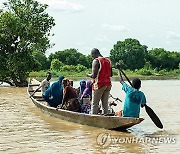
{"points": [[80, 68], [56, 64], [41, 59], [24, 28], [70, 57], [130, 53], [162, 59], [69, 68], [89, 60], [176, 57]]}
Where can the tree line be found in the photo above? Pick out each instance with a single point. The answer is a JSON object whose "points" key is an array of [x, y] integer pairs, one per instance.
{"points": [[25, 27], [129, 53]]}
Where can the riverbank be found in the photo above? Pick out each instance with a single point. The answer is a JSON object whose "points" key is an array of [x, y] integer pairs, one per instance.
{"points": [[76, 76], [161, 75]]}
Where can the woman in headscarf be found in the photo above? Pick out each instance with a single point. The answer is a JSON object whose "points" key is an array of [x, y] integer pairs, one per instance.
{"points": [[81, 88], [70, 100], [54, 94], [88, 90], [86, 98], [68, 91]]}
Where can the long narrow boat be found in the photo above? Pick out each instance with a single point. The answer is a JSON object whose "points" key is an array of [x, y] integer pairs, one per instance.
{"points": [[107, 122]]}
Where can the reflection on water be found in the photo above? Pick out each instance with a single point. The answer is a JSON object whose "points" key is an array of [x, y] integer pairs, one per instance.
{"points": [[25, 129]]}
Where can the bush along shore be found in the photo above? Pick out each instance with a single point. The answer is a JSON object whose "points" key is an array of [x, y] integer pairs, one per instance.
{"points": [[144, 74]]}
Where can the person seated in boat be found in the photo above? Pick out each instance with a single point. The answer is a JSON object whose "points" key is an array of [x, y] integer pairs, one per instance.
{"points": [[45, 84], [71, 83], [133, 99], [86, 98], [88, 90], [54, 94], [70, 99], [81, 88]]}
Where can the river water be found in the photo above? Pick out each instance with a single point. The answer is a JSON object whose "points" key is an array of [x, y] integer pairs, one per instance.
{"points": [[25, 129]]}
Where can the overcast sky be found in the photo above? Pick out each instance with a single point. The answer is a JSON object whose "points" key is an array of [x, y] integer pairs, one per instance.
{"points": [[85, 24]]}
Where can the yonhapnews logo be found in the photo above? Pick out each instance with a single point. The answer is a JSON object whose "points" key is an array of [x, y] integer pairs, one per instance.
{"points": [[106, 139]]}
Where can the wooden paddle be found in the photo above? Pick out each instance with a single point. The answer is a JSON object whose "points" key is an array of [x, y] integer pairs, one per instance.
{"points": [[149, 111]]}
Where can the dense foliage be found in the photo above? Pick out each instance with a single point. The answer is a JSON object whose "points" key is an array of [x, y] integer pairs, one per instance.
{"points": [[24, 28], [71, 57], [56, 65], [162, 59], [129, 53], [132, 55], [41, 61]]}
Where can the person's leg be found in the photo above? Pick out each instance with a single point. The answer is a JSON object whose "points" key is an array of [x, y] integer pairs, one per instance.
{"points": [[105, 98], [96, 96]]}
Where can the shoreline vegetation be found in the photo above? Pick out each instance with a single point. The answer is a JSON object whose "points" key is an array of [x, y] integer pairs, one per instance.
{"points": [[24, 42], [143, 74]]}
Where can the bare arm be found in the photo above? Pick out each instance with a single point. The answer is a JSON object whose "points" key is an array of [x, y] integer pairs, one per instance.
{"points": [[95, 69], [119, 74]]}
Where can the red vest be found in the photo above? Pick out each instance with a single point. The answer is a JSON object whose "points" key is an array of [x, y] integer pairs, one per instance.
{"points": [[104, 74]]}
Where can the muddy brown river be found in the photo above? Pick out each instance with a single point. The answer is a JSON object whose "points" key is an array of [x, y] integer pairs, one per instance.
{"points": [[25, 129]]}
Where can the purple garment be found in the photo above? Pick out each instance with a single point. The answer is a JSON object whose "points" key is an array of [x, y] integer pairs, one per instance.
{"points": [[82, 86], [88, 89]]}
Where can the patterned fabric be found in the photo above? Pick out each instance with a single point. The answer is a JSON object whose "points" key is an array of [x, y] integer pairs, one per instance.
{"points": [[86, 108]]}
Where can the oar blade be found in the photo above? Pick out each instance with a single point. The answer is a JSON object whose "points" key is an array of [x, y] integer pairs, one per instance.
{"points": [[153, 117]]}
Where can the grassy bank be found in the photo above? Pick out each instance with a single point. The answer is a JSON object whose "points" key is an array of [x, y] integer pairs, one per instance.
{"points": [[142, 74]]}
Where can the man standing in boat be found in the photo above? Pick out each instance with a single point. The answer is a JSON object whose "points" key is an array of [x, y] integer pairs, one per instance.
{"points": [[101, 75], [134, 98], [45, 84]]}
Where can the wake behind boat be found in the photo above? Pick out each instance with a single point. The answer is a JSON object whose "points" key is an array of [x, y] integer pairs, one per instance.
{"points": [[107, 122]]}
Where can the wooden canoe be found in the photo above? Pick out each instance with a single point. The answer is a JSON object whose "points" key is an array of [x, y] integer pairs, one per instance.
{"points": [[107, 122]]}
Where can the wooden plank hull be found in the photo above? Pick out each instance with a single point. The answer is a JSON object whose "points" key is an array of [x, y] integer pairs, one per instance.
{"points": [[107, 122]]}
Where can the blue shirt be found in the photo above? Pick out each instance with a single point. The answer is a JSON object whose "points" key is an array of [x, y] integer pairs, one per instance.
{"points": [[134, 98]]}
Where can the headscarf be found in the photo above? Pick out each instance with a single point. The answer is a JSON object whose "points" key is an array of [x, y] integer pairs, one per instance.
{"points": [[54, 93], [60, 78], [82, 88], [88, 89], [66, 82]]}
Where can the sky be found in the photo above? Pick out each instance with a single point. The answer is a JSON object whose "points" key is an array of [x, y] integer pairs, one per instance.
{"points": [[87, 24]]}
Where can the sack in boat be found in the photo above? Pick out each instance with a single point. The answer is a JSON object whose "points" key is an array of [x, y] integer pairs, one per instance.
{"points": [[72, 105]]}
